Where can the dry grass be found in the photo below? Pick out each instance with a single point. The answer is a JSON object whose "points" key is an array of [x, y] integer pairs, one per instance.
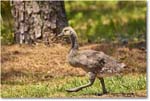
{"points": [[50, 61], [23, 65]]}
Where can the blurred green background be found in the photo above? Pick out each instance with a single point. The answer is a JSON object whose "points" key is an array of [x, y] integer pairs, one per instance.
{"points": [[94, 21]]}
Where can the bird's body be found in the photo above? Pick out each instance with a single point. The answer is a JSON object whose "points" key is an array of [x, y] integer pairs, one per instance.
{"points": [[96, 63]]}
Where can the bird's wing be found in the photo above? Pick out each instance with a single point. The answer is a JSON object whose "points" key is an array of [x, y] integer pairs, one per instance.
{"points": [[90, 58]]}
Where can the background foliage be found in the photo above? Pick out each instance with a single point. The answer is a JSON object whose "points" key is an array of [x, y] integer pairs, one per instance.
{"points": [[94, 21]]}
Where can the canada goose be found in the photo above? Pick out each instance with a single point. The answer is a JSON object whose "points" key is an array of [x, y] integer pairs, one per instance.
{"points": [[96, 63]]}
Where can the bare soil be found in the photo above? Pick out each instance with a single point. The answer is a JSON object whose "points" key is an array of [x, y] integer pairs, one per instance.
{"points": [[40, 59]]}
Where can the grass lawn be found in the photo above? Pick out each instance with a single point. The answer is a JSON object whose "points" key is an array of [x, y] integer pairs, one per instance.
{"points": [[55, 88]]}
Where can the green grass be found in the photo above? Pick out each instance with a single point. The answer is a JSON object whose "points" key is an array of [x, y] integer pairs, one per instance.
{"points": [[107, 20], [56, 87], [6, 20]]}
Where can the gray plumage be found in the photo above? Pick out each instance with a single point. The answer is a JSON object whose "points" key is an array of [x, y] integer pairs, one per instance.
{"points": [[96, 63]]}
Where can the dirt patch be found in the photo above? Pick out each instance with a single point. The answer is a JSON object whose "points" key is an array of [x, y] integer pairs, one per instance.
{"points": [[49, 62]]}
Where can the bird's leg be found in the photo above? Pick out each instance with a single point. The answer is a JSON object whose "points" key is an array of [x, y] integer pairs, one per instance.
{"points": [[103, 85], [91, 81]]}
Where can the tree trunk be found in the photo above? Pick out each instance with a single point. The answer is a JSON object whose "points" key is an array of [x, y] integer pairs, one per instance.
{"points": [[38, 20]]}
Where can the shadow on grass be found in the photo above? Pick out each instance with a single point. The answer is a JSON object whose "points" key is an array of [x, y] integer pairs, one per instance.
{"points": [[13, 77]]}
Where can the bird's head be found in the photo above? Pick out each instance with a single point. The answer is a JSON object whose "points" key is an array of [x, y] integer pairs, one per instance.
{"points": [[67, 31]]}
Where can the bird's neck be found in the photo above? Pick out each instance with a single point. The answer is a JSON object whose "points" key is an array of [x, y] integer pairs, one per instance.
{"points": [[74, 42], [74, 45]]}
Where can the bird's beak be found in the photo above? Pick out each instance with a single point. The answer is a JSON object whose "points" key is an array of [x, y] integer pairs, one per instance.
{"points": [[61, 34]]}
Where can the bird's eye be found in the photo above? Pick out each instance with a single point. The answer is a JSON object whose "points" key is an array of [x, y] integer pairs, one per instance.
{"points": [[65, 30]]}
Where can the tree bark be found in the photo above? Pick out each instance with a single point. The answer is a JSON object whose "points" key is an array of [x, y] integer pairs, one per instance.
{"points": [[38, 20]]}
